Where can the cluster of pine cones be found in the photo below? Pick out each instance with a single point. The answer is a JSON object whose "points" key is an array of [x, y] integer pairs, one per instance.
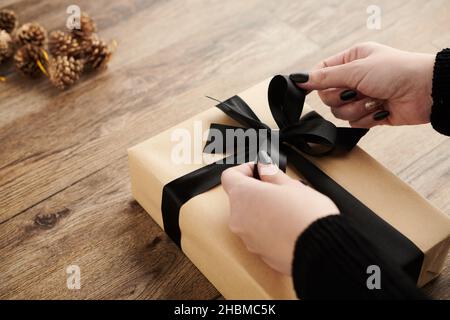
{"points": [[71, 53]]}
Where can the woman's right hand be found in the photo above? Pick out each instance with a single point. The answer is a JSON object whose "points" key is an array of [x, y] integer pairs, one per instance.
{"points": [[363, 82]]}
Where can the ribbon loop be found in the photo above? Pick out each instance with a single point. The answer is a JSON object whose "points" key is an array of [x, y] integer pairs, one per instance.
{"points": [[311, 134], [286, 101]]}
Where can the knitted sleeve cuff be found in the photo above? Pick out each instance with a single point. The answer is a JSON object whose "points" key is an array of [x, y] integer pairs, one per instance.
{"points": [[440, 112], [331, 259]]}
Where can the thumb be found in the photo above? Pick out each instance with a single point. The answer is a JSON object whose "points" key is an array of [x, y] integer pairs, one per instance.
{"points": [[269, 172], [341, 76]]}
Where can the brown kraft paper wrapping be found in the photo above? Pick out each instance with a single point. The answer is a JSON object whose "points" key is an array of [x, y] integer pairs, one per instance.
{"points": [[222, 257]]}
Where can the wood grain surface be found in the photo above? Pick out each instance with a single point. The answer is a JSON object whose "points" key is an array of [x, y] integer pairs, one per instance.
{"points": [[64, 187]]}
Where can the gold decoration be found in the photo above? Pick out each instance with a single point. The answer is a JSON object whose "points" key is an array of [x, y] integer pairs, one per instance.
{"points": [[30, 60]]}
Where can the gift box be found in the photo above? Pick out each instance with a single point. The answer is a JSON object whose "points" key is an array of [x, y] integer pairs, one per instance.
{"points": [[185, 197]]}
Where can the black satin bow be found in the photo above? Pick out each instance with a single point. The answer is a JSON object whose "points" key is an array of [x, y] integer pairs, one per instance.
{"points": [[310, 134]]}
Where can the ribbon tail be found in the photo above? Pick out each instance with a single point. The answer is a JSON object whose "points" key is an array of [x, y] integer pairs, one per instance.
{"points": [[240, 111], [176, 193], [385, 238], [179, 191]]}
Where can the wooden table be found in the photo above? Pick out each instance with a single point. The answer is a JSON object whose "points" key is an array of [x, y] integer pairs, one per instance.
{"points": [[64, 187]]}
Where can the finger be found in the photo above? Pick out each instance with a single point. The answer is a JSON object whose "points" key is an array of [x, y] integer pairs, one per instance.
{"points": [[318, 66], [342, 76], [269, 172], [358, 51], [335, 62], [272, 174], [239, 174], [332, 61], [369, 121], [356, 110], [338, 97], [342, 57]]}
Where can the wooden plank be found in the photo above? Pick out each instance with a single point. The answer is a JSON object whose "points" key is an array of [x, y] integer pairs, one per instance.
{"points": [[122, 95], [64, 196], [95, 224]]}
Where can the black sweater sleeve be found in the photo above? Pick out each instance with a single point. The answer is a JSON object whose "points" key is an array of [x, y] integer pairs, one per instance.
{"points": [[440, 112], [331, 261], [332, 258]]}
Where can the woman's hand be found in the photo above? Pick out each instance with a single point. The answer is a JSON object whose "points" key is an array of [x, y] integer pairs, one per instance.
{"points": [[362, 83], [270, 214]]}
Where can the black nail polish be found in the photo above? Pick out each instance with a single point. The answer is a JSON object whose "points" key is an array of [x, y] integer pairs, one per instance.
{"points": [[255, 171], [348, 95], [381, 115], [299, 77], [264, 158]]}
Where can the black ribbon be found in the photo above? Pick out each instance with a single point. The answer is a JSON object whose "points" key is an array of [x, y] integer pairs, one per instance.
{"points": [[311, 135]]}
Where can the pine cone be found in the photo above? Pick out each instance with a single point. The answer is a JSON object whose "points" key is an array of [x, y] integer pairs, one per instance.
{"points": [[32, 33], [8, 20], [26, 60], [65, 71], [96, 54], [87, 27], [6, 46], [64, 44]]}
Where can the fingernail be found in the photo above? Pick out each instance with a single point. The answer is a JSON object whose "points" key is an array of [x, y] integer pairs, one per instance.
{"points": [[264, 158], [299, 77], [348, 95], [256, 171], [381, 115]]}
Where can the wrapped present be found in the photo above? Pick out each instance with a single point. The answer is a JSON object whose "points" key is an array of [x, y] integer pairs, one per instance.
{"points": [[185, 197]]}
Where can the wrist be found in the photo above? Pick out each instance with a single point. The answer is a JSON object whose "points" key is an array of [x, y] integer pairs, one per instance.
{"points": [[429, 62], [424, 64], [313, 216], [440, 111]]}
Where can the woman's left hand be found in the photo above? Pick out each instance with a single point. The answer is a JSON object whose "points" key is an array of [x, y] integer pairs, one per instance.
{"points": [[269, 215]]}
